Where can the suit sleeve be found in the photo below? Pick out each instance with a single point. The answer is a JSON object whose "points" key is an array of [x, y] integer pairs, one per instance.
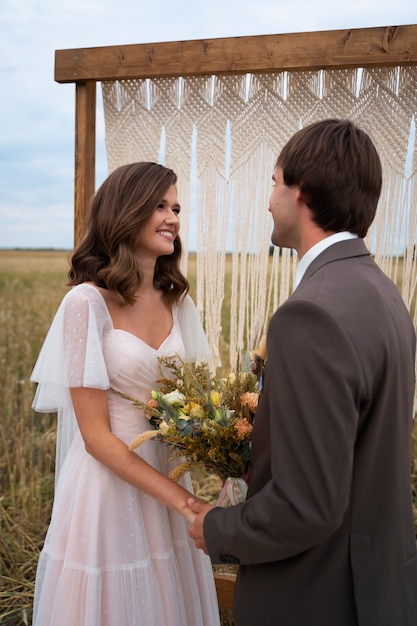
{"points": [[303, 442]]}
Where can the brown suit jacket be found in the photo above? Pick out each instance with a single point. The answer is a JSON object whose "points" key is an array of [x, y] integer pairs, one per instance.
{"points": [[326, 536]]}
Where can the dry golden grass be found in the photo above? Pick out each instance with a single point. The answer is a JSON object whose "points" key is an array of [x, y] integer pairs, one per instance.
{"points": [[32, 285]]}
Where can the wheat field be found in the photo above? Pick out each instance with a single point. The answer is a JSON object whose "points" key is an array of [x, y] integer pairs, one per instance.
{"points": [[32, 284]]}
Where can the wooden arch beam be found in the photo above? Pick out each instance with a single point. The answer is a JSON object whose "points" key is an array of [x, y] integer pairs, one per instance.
{"points": [[391, 45]]}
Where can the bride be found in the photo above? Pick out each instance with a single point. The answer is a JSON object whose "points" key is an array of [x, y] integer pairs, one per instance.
{"points": [[117, 550]]}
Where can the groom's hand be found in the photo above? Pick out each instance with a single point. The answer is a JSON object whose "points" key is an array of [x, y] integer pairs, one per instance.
{"points": [[196, 530]]}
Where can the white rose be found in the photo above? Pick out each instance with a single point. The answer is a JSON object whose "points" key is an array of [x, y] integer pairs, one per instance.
{"points": [[163, 427], [174, 398]]}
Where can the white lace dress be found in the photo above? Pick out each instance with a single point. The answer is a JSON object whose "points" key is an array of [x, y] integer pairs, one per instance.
{"points": [[114, 556]]}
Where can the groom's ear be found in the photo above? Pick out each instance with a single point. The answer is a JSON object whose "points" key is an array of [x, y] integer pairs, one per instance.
{"points": [[301, 197]]}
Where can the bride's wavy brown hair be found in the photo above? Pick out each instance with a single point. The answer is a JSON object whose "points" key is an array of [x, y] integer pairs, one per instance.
{"points": [[118, 212]]}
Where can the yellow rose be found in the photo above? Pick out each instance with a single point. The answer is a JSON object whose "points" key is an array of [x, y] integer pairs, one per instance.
{"points": [[195, 411], [215, 398]]}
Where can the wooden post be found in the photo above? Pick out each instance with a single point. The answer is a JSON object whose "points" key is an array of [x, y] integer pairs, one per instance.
{"points": [[225, 586], [85, 153]]}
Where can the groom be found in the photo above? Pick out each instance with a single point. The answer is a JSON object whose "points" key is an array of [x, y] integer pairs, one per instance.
{"points": [[326, 536]]}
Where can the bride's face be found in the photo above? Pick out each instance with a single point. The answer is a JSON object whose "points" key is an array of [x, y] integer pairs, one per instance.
{"points": [[158, 234]]}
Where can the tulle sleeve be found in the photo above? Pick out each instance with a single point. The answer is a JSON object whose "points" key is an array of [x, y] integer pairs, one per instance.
{"points": [[195, 341], [71, 356]]}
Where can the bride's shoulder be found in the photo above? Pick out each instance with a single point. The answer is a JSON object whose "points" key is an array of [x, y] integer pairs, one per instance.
{"points": [[186, 306], [86, 293], [84, 304]]}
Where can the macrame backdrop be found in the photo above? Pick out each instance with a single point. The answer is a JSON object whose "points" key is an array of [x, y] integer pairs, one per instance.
{"points": [[222, 135]]}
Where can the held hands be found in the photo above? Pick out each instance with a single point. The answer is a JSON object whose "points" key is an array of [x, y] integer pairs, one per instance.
{"points": [[199, 509]]}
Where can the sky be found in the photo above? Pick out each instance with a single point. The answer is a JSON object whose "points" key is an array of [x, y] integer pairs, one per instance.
{"points": [[37, 114]]}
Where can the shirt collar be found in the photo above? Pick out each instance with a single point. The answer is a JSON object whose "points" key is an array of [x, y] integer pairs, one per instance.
{"points": [[317, 249]]}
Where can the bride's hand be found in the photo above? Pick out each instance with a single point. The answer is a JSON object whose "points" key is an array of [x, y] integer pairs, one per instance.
{"points": [[196, 532], [188, 514]]}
